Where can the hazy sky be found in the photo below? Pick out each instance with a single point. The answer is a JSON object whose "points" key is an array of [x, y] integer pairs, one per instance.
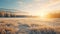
{"points": [[32, 6]]}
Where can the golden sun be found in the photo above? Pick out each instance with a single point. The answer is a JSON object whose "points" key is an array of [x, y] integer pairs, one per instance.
{"points": [[43, 15]]}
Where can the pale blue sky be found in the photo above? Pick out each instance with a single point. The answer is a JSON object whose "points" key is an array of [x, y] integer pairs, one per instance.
{"points": [[32, 6]]}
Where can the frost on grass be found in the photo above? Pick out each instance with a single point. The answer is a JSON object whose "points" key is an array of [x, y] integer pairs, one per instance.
{"points": [[17, 27]]}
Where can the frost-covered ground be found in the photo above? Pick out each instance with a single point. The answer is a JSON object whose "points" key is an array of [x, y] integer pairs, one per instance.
{"points": [[29, 26]]}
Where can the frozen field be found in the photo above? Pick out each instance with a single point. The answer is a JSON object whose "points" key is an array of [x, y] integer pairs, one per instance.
{"points": [[29, 26]]}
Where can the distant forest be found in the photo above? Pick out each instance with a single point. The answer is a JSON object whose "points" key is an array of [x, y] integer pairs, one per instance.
{"points": [[10, 14]]}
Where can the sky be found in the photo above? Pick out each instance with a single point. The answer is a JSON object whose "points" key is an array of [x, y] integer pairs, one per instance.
{"points": [[34, 7]]}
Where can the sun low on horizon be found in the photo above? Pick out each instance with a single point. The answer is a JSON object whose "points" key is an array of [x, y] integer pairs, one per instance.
{"points": [[39, 8], [49, 15]]}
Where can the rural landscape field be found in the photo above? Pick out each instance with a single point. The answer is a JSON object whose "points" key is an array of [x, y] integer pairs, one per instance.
{"points": [[29, 16], [29, 26]]}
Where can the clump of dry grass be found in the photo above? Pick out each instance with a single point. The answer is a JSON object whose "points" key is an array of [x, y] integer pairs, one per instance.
{"points": [[44, 30], [7, 28]]}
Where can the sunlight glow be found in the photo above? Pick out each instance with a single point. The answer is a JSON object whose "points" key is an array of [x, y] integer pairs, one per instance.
{"points": [[42, 15]]}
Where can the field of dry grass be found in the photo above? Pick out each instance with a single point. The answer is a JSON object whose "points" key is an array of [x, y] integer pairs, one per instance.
{"points": [[28, 26]]}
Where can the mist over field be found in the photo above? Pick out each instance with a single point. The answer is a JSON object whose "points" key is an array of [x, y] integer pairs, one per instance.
{"points": [[18, 22]]}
